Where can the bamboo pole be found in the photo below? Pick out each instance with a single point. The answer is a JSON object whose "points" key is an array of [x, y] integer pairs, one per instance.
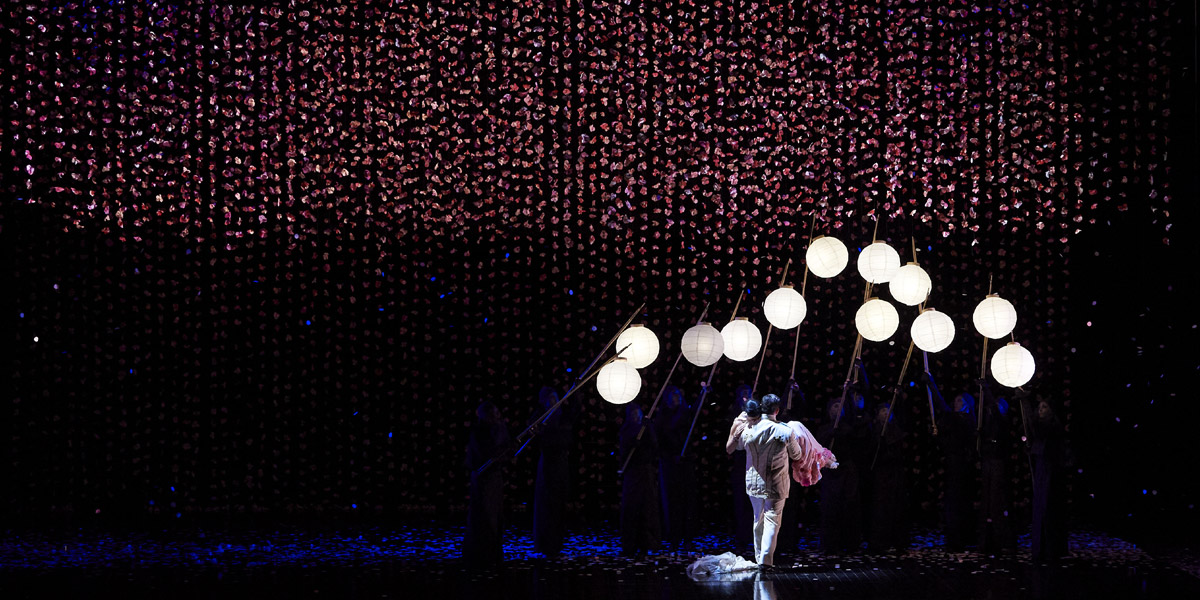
{"points": [[767, 341], [583, 377], [708, 384], [654, 406], [892, 404]]}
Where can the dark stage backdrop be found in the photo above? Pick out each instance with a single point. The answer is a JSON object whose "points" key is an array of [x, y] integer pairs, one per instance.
{"points": [[271, 258]]}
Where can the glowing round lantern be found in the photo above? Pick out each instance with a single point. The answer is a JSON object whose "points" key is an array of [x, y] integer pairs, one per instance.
{"points": [[826, 256], [702, 345], [995, 317], [932, 331], [785, 308], [1013, 365], [643, 346], [878, 262], [742, 339], [911, 285], [618, 382], [877, 320]]}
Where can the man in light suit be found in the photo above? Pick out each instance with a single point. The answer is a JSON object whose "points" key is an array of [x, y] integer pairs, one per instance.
{"points": [[770, 446]]}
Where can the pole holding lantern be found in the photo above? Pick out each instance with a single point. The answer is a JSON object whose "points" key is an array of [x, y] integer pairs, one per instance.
{"points": [[785, 317], [654, 405], [892, 404], [584, 376], [707, 384]]}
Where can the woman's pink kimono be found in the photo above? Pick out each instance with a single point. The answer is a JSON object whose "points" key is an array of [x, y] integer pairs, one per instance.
{"points": [[807, 470]]}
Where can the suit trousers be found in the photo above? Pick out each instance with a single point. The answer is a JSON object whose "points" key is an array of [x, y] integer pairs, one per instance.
{"points": [[768, 517]]}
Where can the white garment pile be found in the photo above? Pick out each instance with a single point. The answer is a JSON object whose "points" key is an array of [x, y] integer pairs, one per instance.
{"points": [[709, 565]]}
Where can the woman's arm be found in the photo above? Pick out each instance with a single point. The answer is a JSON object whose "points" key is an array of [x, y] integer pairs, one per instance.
{"points": [[735, 433]]}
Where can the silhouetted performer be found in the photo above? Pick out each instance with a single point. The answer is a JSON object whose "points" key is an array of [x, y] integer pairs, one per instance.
{"points": [[841, 500], [995, 525], [743, 513], [553, 474], [484, 543], [1048, 449], [889, 522], [641, 530], [677, 476], [956, 435]]}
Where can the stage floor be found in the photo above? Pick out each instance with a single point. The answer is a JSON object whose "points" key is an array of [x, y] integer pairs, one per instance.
{"points": [[420, 561]]}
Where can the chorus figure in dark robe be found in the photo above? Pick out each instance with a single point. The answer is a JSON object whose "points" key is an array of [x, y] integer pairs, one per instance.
{"points": [[677, 475], [841, 503], [553, 473], [641, 529], [996, 532], [743, 513], [1049, 452], [889, 512], [483, 544], [956, 436]]}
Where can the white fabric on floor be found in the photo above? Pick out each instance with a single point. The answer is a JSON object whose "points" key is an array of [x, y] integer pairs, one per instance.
{"points": [[722, 563]]}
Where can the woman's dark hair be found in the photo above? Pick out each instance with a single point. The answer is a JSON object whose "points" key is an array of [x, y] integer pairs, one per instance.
{"points": [[754, 408]]}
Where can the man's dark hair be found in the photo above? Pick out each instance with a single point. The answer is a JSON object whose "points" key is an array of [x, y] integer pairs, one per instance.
{"points": [[770, 403]]}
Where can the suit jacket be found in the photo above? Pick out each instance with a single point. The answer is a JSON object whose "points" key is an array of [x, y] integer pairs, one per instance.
{"points": [[769, 446]]}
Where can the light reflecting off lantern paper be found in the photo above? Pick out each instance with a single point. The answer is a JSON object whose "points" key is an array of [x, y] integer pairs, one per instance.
{"points": [[742, 340], [877, 320], [785, 308], [878, 262], [618, 382], [640, 346], [702, 345]]}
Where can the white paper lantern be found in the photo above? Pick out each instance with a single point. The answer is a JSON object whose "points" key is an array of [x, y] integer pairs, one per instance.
{"points": [[618, 382], [785, 308], [1013, 365], [995, 317], [932, 331], [877, 320], [702, 345], [643, 346], [878, 262], [826, 256], [742, 339], [911, 285]]}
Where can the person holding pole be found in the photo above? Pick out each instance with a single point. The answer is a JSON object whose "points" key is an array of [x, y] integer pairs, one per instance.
{"points": [[553, 472], [640, 525], [483, 545], [677, 474], [840, 499], [888, 527], [956, 435], [742, 513], [995, 526], [1051, 457]]}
